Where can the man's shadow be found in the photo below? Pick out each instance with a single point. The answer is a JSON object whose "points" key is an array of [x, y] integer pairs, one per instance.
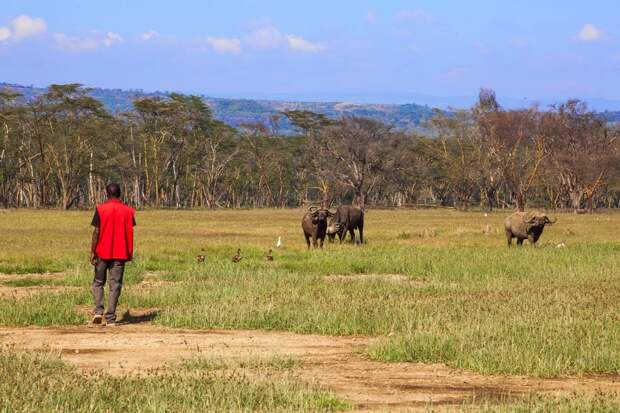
{"points": [[137, 316]]}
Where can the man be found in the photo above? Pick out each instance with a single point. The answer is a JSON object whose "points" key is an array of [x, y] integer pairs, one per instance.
{"points": [[111, 248]]}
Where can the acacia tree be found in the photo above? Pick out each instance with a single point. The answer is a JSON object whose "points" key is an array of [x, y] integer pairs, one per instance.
{"points": [[581, 149], [9, 161], [514, 144], [361, 153], [457, 154], [61, 148], [316, 165], [73, 123], [215, 148]]}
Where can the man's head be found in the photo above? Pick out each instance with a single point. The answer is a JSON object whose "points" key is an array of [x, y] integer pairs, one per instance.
{"points": [[113, 190]]}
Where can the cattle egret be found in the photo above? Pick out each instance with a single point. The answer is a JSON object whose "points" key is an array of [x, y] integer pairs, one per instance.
{"points": [[279, 243]]}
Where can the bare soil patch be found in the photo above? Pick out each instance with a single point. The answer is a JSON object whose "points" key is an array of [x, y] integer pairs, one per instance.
{"points": [[332, 362]]}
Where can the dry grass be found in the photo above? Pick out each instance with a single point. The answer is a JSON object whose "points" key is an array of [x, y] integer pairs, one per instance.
{"points": [[472, 302]]}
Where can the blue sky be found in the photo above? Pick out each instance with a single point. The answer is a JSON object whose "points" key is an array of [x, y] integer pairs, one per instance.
{"points": [[383, 51]]}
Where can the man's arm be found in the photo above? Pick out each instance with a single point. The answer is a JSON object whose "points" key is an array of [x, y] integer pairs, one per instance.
{"points": [[93, 246]]}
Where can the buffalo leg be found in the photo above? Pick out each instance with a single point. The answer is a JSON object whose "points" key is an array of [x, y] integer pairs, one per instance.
{"points": [[520, 242], [509, 238], [532, 241], [343, 233], [307, 240], [361, 228], [315, 242], [352, 232], [321, 242]]}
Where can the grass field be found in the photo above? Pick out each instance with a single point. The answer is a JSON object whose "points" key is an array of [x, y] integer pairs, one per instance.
{"points": [[430, 286]]}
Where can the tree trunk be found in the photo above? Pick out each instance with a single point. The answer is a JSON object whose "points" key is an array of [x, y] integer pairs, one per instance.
{"points": [[520, 201], [575, 200]]}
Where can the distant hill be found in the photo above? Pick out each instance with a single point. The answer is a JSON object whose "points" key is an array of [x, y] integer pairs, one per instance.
{"points": [[239, 111], [612, 116], [236, 112]]}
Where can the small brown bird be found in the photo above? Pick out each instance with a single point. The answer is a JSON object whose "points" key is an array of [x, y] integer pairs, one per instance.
{"points": [[269, 256], [200, 259], [237, 256]]}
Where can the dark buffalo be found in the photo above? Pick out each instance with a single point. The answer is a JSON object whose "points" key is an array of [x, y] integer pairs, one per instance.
{"points": [[525, 226], [314, 224], [346, 218]]}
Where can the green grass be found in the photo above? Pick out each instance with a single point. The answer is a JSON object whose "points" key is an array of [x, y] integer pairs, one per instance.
{"points": [[476, 304], [577, 403], [271, 363], [54, 386]]}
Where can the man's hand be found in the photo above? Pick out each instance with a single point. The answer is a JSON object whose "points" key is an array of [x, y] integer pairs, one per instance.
{"points": [[93, 246]]}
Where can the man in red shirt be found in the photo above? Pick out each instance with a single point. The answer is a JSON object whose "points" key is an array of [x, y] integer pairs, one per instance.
{"points": [[112, 246]]}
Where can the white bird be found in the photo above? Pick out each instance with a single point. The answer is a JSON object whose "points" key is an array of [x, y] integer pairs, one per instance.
{"points": [[561, 245], [279, 243]]}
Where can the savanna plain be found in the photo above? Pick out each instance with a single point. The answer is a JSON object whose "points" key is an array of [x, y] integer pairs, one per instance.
{"points": [[434, 312]]}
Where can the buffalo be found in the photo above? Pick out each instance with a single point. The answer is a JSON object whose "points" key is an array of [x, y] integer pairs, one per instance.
{"points": [[314, 224], [346, 218], [525, 225]]}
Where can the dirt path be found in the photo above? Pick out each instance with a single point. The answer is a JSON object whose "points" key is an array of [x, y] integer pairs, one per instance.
{"points": [[333, 362]]}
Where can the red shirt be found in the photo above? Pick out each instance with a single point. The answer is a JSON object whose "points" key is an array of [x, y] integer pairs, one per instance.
{"points": [[115, 221]]}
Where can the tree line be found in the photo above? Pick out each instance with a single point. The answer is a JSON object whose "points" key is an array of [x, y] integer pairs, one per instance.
{"points": [[61, 149]]}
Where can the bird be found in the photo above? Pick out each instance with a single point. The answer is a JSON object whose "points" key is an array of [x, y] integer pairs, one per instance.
{"points": [[269, 256], [279, 243], [561, 245], [237, 256], [200, 258]]}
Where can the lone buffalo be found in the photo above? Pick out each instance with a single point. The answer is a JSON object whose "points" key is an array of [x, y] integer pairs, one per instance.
{"points": [[314, 224], [346, 218], [525, 225]]}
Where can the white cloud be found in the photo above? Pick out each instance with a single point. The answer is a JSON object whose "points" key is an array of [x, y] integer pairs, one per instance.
{"points": [[74, 43], [112, 38], [589, 33], [268, 37], [87, 42], [26, 26], [150, 35], [225, 44], [263, 39], [5, 34], [418, 16], [22, 27], [303, 45]]}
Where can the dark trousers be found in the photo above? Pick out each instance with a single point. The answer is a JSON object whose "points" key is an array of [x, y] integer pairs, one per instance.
{"points": [[115, 284]]}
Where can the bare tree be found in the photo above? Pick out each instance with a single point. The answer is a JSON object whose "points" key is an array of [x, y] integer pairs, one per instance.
{"points": [[513, 143], [582, 151], [360, 153], [457, 154]]}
